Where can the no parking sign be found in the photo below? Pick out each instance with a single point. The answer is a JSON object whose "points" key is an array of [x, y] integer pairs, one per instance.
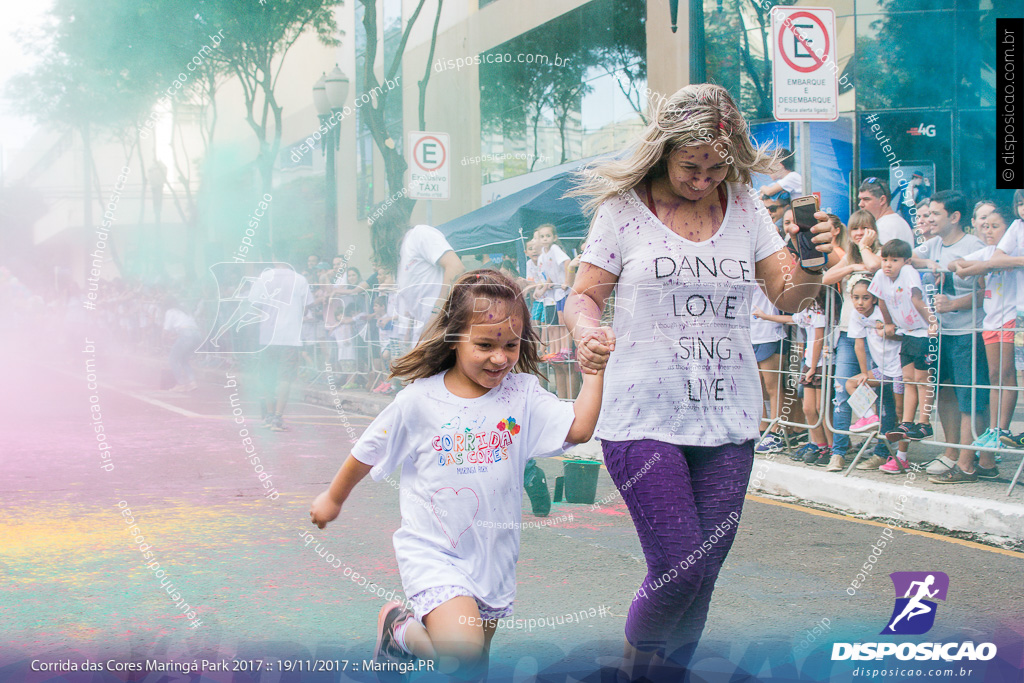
{"points": [[805, 74], [429, 165]]}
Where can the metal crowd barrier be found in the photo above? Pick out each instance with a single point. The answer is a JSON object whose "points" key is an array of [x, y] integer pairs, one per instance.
{"points": [[827, 407]]}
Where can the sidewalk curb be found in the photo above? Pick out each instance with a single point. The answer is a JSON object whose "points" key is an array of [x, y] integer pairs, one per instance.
{"points": [[882, 501]]}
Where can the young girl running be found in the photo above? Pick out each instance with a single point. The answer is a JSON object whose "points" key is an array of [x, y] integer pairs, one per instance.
{"points": [[462, 433], [1000, 318]]}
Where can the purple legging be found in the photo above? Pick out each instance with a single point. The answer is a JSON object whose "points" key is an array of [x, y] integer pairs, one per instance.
{"points": [[685, 507]]}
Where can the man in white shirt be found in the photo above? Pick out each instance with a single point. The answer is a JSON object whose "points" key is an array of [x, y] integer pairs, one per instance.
{"points": [[281, 295], [785, 177], [873, 196]]}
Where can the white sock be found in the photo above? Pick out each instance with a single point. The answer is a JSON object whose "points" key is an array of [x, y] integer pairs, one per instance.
{"points": [[400, 632]]}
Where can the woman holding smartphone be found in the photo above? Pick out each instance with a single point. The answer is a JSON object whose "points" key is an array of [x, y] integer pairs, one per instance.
{"points": [[682, 240]]}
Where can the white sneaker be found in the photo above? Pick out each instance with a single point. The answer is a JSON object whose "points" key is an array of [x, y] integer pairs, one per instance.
{"points": [[940, 465]]}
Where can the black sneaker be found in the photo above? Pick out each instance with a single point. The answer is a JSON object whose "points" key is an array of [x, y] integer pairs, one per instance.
{"points": [[797, 438], [1013, 441], [824, 455], [807, 454], [986, 472], [536, 485], [901, 432], [919, 431]]}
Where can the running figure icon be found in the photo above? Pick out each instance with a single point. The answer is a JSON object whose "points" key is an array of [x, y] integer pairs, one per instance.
{"points": [[915, 607], [916, 604]]}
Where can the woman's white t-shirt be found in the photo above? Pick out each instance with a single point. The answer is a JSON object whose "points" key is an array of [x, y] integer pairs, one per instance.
{"points": [[419, 279], [884, 353], [898, 297], [1012, 244], [462, 463], [764, 331], [683, 370], [1000, 292], [552, 265]]}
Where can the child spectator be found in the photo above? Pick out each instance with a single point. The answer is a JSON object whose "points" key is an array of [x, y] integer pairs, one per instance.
{"points": [[553, 262], [901, 298], [767, 338], [535, 286], [867, 329], [1009, 254], [818, 449], [859, 259]]}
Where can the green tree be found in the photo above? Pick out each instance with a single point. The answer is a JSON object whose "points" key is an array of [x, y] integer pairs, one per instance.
{"points": [[255, 42], [376, 114]]}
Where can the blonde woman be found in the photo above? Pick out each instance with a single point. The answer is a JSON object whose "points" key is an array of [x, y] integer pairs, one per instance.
{"points": [[683, 241]]}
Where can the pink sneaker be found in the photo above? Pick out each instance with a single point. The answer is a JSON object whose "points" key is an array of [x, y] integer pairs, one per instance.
{"points": [[893, 465], [865, 424]]}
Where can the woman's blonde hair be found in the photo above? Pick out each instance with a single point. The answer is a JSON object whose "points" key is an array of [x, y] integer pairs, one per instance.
{"points": [[695, 115], [434, 352]]}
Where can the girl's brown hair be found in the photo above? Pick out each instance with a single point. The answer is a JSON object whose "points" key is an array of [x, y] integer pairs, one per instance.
{"points": [[434, 353]]}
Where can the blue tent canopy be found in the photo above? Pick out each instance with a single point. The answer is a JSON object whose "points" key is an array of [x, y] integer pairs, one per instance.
{"points": [[513, 218]]}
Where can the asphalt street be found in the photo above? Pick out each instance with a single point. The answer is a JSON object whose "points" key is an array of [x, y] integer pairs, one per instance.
{"points": [[76, 586]]}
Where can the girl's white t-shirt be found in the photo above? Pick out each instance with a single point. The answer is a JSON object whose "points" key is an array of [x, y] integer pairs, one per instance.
{"points": [[552, 265], [764, 331], [462, 463], [1012, 244], [898, 297], [884, 353], [809, 319], [533, 275], [683, 370], [1000, 292]]}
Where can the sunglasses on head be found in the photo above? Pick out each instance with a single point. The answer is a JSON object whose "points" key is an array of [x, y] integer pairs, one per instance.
{"points": [[871, 181]]}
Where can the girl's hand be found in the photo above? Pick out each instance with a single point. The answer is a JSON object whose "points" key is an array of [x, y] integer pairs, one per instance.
{"points": [[323, 510], [758, 313], [809, 377], [890, 330], [594, 349], [867, 239]]}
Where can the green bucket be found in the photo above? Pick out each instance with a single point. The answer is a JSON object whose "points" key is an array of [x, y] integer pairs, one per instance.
{"points": [[581, 480]]}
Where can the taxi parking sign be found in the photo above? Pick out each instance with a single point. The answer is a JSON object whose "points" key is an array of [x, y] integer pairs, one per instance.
{"points": [[429, 167]]}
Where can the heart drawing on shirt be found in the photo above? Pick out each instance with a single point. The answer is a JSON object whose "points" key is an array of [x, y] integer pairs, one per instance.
{"points": [[462, 506]]}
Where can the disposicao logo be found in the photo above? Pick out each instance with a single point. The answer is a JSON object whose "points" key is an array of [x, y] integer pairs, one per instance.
{"points": [[914, 614]]}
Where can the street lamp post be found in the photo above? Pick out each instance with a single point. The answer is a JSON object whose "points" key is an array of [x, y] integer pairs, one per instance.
{"points": [[329, 95]]}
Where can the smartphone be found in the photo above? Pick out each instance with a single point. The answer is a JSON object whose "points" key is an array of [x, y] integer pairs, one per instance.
{"points": [[804, 209]]}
